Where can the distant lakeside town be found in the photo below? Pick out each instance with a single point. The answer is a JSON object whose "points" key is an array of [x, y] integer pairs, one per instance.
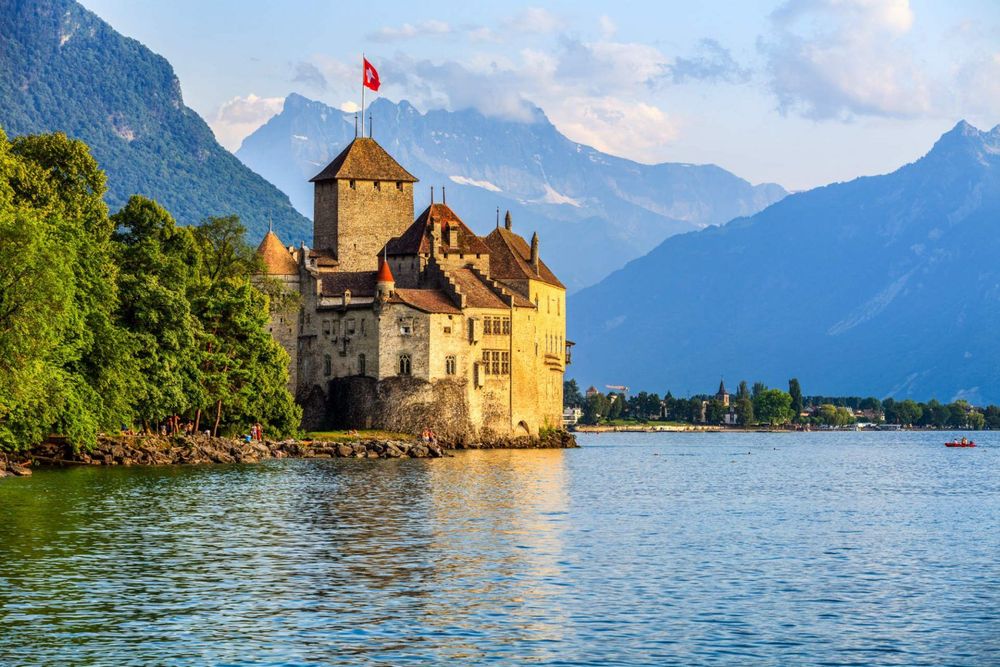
{"points": [[759, 406]]}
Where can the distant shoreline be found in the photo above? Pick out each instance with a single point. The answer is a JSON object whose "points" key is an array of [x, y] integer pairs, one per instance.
{"points": [[699, 428]]}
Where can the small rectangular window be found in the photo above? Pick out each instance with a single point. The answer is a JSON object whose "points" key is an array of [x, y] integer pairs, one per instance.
{"points": [[449, 365], [505, 363], [326, 327], [399, 185], [506, 326], [350, 326], [327, 365], [447, 330], [378, 185], [495, 366], [486, 362], [352, 184], [487, 326]]}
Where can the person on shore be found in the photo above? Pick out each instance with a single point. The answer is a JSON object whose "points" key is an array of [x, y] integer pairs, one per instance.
{"points": [[425, 435]]}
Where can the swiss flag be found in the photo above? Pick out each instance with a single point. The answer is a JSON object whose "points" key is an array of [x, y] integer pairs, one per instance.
{"points": [[370, 78]]}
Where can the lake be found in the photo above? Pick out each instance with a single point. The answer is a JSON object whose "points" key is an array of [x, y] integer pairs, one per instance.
{"points": [[687, 548]]}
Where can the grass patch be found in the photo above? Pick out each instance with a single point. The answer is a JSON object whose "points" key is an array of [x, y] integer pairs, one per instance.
{"points": [[345, 436]]}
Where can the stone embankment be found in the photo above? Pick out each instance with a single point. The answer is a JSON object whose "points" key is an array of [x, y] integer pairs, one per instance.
{"points": [[550, 440], [193, 450]]}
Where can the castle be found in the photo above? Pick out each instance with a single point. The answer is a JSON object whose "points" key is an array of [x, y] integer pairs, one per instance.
{"points": [[405, 324]]}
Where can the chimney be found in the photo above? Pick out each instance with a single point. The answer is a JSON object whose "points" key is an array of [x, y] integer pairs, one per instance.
{"points": [[507, 221], [450, 235], [534, 252]]}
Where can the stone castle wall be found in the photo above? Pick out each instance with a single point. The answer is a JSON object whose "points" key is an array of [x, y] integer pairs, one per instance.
{"points": [[355, 218], [403, 405]]}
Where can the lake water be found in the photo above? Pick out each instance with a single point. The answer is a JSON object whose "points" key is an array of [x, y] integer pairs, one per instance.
{"points": [[837, 548]]}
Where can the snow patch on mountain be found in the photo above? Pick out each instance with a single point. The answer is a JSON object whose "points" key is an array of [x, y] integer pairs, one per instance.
{"points": [[553, 197], [486, 185]]}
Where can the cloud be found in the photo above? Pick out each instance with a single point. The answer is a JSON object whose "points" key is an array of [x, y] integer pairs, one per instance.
{"points": [[406, 31], [617, 126], [310, 75], [240, 116], [608, 27], [712, 62], [595, 92], [842, 58], [534, 20]]}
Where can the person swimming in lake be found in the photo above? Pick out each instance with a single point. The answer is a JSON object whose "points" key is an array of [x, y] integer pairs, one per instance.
{"points": [[965, 441]]}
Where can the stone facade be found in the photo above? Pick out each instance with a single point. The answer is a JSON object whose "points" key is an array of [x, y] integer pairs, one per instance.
{"points": [[405, 324]]}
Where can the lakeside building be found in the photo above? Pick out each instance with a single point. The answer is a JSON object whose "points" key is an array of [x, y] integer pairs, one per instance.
{"points": [[407, 323]]}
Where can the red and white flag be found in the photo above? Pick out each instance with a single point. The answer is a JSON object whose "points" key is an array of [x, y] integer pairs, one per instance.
{"points": [[370, 77]]}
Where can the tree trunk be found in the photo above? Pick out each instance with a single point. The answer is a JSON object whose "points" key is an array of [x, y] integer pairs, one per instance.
{"points": [[218, 418], [197, 420], [145, 426]]}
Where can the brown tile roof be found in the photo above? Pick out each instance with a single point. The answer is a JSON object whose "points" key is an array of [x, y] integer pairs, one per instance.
{"points": [[323, 258], [417, 240], [477, 293], [365, 160], [510, 259], [427, 300], [277, 260], [361, 283]]}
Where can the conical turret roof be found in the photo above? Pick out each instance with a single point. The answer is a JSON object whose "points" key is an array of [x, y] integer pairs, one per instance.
{"points": [[277, 260], [384, 272]]}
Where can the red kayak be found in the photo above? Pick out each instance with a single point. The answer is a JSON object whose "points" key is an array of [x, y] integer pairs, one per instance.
{"points": [[959, 444]]}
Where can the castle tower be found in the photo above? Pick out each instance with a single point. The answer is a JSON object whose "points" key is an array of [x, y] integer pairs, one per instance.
{"points": [[282, 267], [362, 199]]}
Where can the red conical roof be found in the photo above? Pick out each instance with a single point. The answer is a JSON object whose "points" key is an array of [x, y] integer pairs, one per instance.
{"points": [[384, 273]]}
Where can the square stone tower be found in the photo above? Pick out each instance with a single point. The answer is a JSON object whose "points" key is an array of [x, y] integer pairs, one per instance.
{"points": [[362, 199]]}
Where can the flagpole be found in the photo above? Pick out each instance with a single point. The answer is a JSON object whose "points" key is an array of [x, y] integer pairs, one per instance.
{"points": [[363, 74]]}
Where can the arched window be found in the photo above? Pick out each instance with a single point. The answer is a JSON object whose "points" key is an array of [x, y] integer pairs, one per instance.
{"points": [[361, 361], [404, 364], [449, 365]]}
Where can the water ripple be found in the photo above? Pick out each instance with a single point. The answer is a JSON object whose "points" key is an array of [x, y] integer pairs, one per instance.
{"points": [[839, 549]]}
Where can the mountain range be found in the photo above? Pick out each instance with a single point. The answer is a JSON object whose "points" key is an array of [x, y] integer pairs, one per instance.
{"points": [[885, 285], [64, 69], [593, 211]]}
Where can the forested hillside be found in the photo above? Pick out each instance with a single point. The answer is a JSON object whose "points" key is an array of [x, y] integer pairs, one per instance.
{"points": [[62, 69]]}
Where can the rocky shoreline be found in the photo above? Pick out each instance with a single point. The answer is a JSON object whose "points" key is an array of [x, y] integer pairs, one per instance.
{"points": [[199, 450]]}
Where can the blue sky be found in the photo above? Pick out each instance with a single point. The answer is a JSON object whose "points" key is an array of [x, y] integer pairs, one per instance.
{"points": [[799, 92]]}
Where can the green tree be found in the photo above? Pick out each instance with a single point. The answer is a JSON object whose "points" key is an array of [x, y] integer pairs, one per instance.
{"points": [[773, 406], [715, 412], [615, 404], [758, 389], [593, 409], [158, 261], [56, 187], [744, 410], [572, 398], [743, 391], [795, 391], [907, 412]]}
